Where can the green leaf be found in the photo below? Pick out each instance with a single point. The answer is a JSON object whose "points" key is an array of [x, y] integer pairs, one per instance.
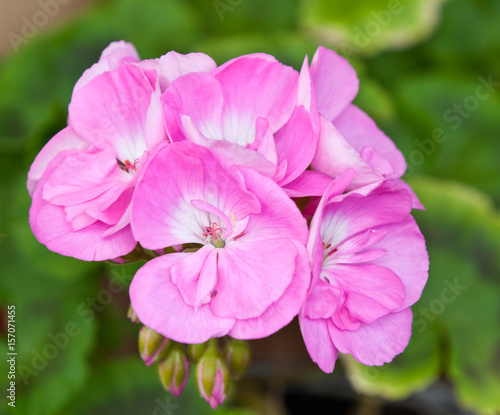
{"points": [[365, 27]]}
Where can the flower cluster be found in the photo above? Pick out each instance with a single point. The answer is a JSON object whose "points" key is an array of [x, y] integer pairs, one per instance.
{"points": [[201, 166]]}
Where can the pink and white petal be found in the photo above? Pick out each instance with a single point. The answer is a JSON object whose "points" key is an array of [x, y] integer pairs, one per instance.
{"points": [[377, 343], [281, 312], [309, 183], [196, 276], [307, 94], [335, 155], [406, 256], [335, 81], [252, 276], [360, 130], [254, 88], [318, 342], [296, 142], [165, 215], [111, 110], [199, 96], [264, 142], [115, 55], [372, 290], [159, 305], [172, 65], [49, 225], [348, 214], [229, 154], [82, 176], [314, 243], [279, 216], [66, 139], [257, 55], [155, 130]]}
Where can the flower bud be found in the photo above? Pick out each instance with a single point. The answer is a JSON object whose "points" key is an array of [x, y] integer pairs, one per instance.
{"points": [[174, 370], [152, 345], [132, 316], [237, 357], [212, 376], [195, 351]]}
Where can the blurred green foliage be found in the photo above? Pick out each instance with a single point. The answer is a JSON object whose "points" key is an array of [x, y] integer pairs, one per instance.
{"points": [[419, 76]]}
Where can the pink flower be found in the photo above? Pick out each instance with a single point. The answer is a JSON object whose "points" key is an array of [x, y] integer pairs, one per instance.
{"points": [[349, 137], [250, 272], [369, 266], [82, 181], [251, 111]]}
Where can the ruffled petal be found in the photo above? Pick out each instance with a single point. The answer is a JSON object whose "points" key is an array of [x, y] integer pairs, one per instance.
{"points": [[335, 81], [282, 311], [65, 139], [251, 276], [377, 343], [115, 55], [406, 256], [172, 65], [112, 110], [252, 88], [335, 155], [159, 305], [318, 342], [361, 131]]}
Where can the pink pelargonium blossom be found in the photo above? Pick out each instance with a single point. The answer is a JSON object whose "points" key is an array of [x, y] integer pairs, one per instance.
{"points": [[249, 275], [81, 203], [251, 111], [349, 137], [369, 265], [161, 72]]}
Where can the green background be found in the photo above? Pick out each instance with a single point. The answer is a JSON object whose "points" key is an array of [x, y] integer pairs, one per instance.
{"points": [[420, 65]]}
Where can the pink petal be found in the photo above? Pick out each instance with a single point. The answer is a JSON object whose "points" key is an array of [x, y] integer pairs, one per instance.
{"points": [[318, 342], [65, 139], [322, 301], [82, 176], [251, 276], [199, 96], [335, 81], [173, 65], [360, 131], [377, 343], [159, 305], [282, 311], [258, 55], [296, 143], [335, 155], [196, 276], [372, 290], [406, 256], [112, 110], [309, 183], [314, 244], [415, 202], [253, 88], [348, 214], [50, 226], [279, 216], [115, 55]]}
